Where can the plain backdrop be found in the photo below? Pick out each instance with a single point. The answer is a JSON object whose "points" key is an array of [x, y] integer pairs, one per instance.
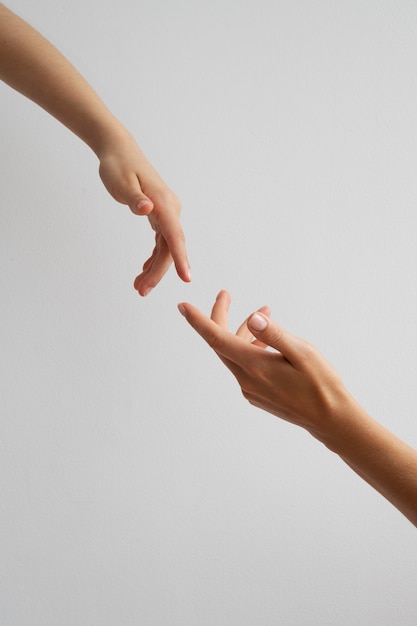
{"points": [[137, 486]]}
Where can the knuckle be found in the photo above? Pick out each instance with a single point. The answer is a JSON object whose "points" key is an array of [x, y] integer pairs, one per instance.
{"points": [[214, 341], [167, 198], [277, 335], [307, 348], [248, 387], [308, 352], [246, 394], [251, 398]]}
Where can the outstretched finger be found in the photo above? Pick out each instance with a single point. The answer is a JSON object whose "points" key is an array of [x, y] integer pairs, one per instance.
{"points": [[220, 310], [197, 320], [170, 228], [226, 344]]}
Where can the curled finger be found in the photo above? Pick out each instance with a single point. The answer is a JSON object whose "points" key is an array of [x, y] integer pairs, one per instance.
{"points": [[244, 333]]}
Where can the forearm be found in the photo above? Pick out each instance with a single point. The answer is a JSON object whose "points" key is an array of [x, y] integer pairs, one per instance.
{"points": [[378, 456], [35, 68]]}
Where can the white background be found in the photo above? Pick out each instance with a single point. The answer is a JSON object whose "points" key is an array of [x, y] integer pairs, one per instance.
{"points": [[137, 487]]}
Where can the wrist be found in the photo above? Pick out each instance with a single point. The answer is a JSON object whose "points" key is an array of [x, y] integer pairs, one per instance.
{"points": [[345, 425], [105, 134]]}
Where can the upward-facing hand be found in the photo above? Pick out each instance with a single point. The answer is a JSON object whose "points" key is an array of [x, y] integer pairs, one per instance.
{"points": [[294, 381]]}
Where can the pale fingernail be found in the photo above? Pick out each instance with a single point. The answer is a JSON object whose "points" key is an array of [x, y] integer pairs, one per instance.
{"points": [[139, 205], [189, 274], [258, 322], [181, 309]]}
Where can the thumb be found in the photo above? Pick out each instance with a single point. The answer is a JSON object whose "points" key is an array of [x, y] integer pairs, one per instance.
{"points": [[140, 204], [124, 186], [270, 333]]}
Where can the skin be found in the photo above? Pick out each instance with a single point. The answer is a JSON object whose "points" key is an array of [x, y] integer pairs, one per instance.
{"points": [[296, 383], [35, 68]]}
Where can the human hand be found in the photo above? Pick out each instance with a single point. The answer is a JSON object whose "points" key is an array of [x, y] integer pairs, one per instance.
{"points": [[294, 381], [130, 179], [30, 64]]}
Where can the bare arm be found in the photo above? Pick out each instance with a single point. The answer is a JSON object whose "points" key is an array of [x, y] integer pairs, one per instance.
{"points": [[296, 383], [35, 68]]}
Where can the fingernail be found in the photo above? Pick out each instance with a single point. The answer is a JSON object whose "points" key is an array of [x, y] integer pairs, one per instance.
{"points": [[147, 291], [181, 309], [258, 322], [189, 274], [139, 205]]}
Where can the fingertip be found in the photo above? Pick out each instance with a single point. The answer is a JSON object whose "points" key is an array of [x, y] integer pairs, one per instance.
{"points": [[265, 310], [142, 289], [224, 295], [144, 206], [136, 283], [144, 292], [182, 309], [185, 274]]}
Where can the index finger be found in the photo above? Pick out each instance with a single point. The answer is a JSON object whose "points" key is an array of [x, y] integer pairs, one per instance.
{"points": [[223, 342], [171, 230]]}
